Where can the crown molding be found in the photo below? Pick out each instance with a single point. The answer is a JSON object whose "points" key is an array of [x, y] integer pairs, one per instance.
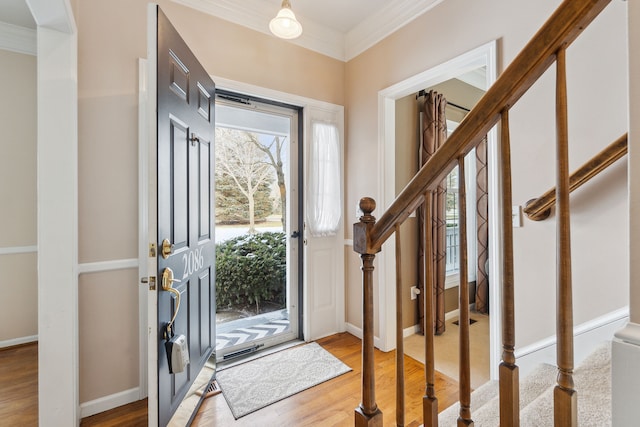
{"points": [[255, 14], [18, 39], [53, 14], [395, 15]]}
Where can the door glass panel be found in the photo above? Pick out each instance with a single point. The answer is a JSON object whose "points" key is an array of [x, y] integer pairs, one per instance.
{"points": [[256, 214]]}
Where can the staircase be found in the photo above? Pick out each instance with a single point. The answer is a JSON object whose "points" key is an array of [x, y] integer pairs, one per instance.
{"points": [[592, 377], [550, 396]]}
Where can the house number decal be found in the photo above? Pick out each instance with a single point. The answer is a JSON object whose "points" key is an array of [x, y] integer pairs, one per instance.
{"points": [[192, 262]]}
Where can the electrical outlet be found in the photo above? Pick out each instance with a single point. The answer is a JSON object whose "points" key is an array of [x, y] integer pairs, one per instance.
{"points": [[414, 292]]}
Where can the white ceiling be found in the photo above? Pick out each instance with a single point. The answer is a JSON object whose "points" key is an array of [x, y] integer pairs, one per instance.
{"points": [[341, 15], [338, 28]]}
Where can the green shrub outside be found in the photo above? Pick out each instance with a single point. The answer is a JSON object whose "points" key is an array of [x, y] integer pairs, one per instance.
{"points": [[251, 270]]}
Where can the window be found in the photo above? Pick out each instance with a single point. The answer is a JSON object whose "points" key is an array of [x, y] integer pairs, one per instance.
{"points": [[452, 210], [324, 180], [451, 215]]}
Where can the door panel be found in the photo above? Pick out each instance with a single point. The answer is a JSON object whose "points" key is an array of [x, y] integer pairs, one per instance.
{"points": [[323, 254], [185, 130]]}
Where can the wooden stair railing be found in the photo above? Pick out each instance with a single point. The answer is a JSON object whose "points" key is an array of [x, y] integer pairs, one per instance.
{"points": [[564, 395], [546, 47], [540, 208]]}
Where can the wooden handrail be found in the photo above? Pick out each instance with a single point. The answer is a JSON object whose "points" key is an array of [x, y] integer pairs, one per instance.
{"points": [[540, 208], [561, 29], [547, 46]]}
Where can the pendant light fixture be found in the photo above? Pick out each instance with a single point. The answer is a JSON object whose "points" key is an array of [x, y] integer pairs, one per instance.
{"points": [[285, 25]]}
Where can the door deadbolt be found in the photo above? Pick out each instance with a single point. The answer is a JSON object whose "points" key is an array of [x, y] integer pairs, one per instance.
{"points": [[167, 248]]}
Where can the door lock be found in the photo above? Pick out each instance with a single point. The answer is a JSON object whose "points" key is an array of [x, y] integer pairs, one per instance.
{"points": [[151, 281], [167, 248], [176, 346], [194, 139]]}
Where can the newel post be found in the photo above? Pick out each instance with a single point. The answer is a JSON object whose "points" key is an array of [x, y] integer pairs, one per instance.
{"points": [[367, 414]]}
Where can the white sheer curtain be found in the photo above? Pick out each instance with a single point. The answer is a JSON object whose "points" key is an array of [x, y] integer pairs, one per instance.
{"points": [[324, 197]]}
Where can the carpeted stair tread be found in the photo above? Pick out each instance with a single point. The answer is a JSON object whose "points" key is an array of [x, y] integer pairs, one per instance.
{"points": [[485, 415], [532, 386], [593, 384], [479, 397]]}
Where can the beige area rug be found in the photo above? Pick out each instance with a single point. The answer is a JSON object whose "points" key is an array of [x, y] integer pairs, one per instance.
{"points": [[447, 349], [260, 382]]}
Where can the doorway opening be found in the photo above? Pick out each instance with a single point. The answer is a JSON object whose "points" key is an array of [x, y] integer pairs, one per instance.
{"points": [[461, 92], [390, 102], [257, 207]]}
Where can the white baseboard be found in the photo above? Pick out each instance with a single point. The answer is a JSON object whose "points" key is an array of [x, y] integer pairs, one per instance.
{"points": [[18, 341], [586, 337], [411, 330], [447, 316], [356, 331], [109, 402], [451, 314]]}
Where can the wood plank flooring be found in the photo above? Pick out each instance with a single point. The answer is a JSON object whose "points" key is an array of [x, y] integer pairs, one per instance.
{"points": [[328, 404], [131, 415], [332, 403], [19, 385]]}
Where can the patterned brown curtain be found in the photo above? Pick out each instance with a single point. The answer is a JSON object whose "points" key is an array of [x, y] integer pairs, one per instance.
{"points": [[482, 215], [434, 134]]}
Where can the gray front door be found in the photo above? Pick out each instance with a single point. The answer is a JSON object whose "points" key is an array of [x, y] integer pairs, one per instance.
{"points": [[185, 211]]}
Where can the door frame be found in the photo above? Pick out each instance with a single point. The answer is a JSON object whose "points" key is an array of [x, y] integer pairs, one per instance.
{"points": [[147, 209], [485, 55], [57, 211], [294, 185], [307, 105], [147, 216]]}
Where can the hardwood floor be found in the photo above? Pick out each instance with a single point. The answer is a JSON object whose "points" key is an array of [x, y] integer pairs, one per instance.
{"points": [[131, 415], [332, 403], [328, 404], [19, 385]]}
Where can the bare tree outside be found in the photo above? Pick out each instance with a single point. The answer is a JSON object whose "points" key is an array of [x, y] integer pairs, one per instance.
{"points": [[274, 152], [249, 166]]}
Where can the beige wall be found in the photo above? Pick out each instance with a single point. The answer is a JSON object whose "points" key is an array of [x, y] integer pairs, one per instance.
{"points": [[111, 38], [597, 73], [18, 287], [108, 318], [110, 41]]}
